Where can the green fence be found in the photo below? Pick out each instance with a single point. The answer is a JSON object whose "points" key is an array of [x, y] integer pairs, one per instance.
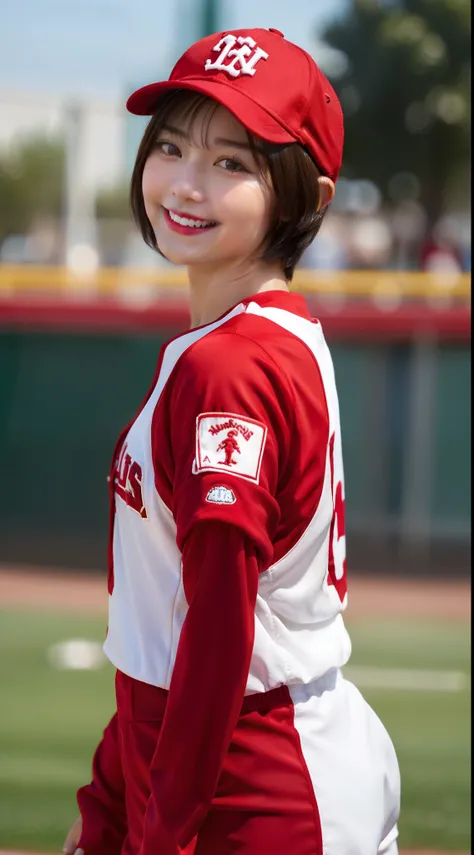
{"points": [[405, 413]]}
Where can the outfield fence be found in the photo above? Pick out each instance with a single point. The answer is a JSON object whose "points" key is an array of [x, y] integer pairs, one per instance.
{"points": [[75, 363]]}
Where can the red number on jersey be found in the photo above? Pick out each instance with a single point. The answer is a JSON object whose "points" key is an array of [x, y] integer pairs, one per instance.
{"points": [[337, 564]]}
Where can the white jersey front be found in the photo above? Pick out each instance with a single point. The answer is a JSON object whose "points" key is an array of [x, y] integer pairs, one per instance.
{"points": [[255, 441]]}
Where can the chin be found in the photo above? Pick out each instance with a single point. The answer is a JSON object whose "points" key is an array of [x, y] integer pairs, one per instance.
{"points": [[174, 256], [183, 258]]}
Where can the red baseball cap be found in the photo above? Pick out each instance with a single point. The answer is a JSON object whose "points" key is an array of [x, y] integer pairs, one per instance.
{"points": [[273, 87]]}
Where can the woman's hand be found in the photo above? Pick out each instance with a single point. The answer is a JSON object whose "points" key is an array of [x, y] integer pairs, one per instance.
{"points": [[70, 844]]}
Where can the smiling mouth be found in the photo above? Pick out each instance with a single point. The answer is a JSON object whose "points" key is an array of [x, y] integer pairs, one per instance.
{"points": [[189, 222]]}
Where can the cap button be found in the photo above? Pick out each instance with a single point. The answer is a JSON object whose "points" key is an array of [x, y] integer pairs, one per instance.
{"points": [[277, 32]]}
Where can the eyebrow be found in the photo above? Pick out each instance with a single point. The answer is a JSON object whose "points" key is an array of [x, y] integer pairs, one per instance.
{"points": [[218, 141], [223, 141]]}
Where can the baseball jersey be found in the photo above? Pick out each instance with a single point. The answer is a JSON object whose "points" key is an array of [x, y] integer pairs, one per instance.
{"points": [[227, 547]]}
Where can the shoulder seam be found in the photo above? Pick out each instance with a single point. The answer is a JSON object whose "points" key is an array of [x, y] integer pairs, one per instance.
{"points": [[220, 331]]}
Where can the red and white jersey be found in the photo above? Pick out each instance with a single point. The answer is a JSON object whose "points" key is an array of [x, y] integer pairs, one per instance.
{"points": [[234, 458]]}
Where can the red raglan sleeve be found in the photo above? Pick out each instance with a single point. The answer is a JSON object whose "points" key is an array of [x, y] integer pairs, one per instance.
{"points": [[230, 416], [102, 802]]}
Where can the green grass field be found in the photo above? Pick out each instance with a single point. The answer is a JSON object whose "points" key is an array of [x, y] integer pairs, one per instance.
{"points": [[51, 721]]}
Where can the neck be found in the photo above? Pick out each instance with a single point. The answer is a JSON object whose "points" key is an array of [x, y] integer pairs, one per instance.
{"points": [[214, 291]]}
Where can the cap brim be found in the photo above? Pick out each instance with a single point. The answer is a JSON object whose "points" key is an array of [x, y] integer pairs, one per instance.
{"points": [[258, 121]]}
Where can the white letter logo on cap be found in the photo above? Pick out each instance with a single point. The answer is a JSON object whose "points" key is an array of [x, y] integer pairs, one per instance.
{"points": [[240, 64]]}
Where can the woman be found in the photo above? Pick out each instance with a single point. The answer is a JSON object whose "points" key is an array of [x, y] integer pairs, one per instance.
{"points": [[235, 730]]}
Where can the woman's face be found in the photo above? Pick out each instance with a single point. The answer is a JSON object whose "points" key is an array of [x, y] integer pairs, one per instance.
{"points": [[208, 204]]}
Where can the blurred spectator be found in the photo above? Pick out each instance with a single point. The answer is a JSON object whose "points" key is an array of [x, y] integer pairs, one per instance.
{"points": [[329, 250], [442, 250]]}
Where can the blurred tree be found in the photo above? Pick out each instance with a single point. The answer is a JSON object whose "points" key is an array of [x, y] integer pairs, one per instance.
{"points": [[405, 93], [31, 184], [210, 17], [113, 203], [31, 187]]}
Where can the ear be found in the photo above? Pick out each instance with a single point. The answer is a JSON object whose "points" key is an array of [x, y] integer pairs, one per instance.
{"points": [[327, 189]]}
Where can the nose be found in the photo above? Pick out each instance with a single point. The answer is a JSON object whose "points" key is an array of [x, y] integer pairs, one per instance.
{"points": [[187, 184]]}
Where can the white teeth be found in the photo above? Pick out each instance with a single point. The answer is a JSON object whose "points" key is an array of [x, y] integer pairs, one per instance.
{"points": [[186, 221]]}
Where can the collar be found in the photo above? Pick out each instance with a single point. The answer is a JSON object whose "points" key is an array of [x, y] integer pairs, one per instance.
{"points": [[286, 300]]}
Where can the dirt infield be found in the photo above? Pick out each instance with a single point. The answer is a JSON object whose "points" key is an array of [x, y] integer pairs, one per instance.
{"points": [[29, 587]]}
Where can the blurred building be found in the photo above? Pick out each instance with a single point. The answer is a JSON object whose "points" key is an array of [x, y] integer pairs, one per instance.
{"points": [[25, 114]]}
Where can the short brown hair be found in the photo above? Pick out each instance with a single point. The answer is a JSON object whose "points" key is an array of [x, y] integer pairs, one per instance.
{"points": [[292, 172]]}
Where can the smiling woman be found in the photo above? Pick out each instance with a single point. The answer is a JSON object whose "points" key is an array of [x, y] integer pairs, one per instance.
{"points": [[235, 728], [295, 208], [212, 184]]}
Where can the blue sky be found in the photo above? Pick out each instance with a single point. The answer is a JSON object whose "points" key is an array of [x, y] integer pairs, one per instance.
{"points": [[102, 48]]}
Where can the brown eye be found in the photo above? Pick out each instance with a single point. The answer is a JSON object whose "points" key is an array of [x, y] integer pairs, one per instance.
{"points": [[231, 165], [167, 148]]}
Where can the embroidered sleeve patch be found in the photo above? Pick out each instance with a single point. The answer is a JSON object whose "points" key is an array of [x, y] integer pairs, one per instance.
{"points": [[221, 496], [229, 443]]}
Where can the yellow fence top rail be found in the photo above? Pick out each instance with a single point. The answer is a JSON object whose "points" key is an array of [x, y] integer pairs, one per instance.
{"points": [[17, 279]]}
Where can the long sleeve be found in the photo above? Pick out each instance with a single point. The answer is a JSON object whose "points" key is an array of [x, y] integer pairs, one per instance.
{"points": [[227, 423], [102, 802], [207, 686]]}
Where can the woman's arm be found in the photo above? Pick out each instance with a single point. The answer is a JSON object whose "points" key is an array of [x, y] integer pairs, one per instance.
{"points": [[220, 570], [225, 524]]}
